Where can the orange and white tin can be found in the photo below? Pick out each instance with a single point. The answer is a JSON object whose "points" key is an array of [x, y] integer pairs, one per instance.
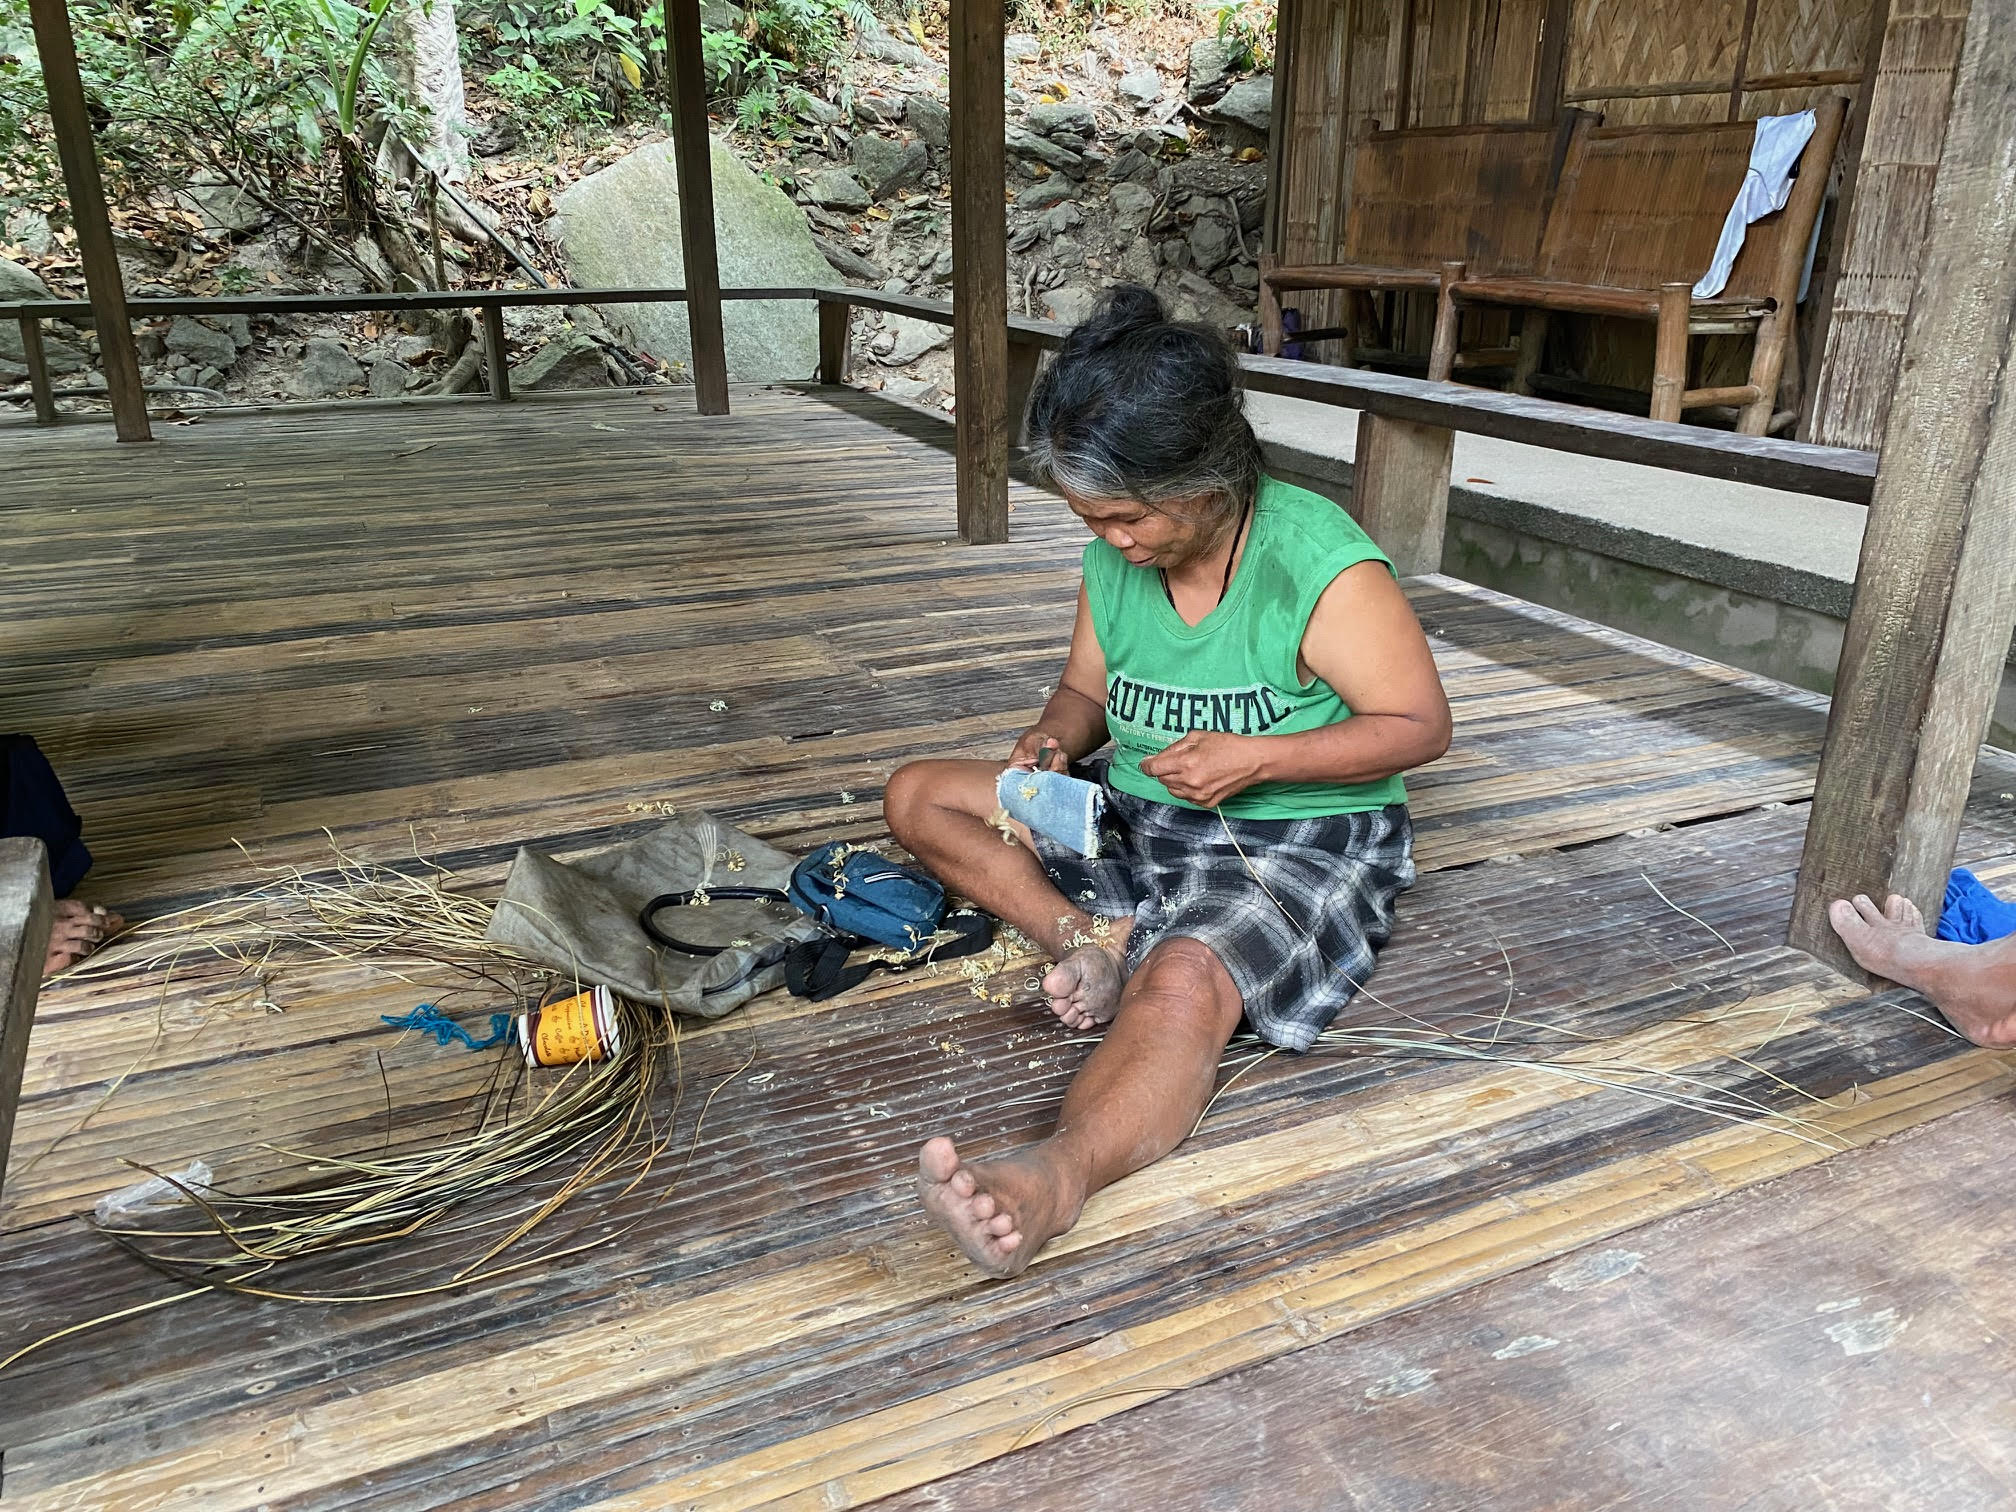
{"points": [[564, 1033]]}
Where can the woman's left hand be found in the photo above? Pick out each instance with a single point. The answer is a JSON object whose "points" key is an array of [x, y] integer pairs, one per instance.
{"points": [[1206, 767]]}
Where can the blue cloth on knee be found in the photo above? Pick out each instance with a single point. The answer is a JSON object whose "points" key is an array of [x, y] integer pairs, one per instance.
{"points": [[32, 803], [1062, 808], [1972, 914]]}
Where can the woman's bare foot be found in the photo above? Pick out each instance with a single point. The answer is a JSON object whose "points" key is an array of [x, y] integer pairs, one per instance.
{"points": [[1973, 985], [1000, 1212], [1084, 986], [78, 929]]}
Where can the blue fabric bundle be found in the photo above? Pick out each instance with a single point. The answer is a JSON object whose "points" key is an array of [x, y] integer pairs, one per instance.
{"points": [[1060, 808], [1972, 914]]}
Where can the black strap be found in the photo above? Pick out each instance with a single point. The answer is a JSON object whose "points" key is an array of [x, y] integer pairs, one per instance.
{"points": [[647, 919], [820, 969]]}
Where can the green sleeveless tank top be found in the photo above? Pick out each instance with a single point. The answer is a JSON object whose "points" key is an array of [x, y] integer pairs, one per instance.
{"points": [[1234, 670]]}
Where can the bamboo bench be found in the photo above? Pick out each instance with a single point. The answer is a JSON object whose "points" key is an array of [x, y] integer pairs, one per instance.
{"points": [[1421, 200], [1632, 227]]}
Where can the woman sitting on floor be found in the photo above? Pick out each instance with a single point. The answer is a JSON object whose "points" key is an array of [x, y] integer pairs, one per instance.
{"points": [[1264, 682]]}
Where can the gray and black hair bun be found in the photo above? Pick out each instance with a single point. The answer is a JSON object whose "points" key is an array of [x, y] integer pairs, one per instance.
{"points": [[1138, 406]]}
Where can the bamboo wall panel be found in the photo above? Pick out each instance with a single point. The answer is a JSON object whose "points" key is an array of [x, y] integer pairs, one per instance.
{"points": [[1635, 46], [439, 628], [1800, 36], [1510, 63], [1445, 33], [1893, 196]]}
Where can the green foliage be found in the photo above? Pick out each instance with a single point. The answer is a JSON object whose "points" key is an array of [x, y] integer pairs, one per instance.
{"points": [[542, 103], [1248, 25], [257, 85]]}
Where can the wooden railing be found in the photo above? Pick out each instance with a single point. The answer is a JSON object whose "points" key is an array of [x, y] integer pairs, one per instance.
{"points": [[1406, 426]]}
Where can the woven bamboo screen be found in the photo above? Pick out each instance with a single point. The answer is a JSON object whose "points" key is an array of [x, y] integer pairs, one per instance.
{"points": [[1419, 198]]}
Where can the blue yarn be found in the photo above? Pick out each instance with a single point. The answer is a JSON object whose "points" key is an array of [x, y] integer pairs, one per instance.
{"points": [[431, 1020]]}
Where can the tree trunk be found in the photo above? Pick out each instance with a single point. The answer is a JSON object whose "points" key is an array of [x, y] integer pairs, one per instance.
{"points": [[425, 57]]}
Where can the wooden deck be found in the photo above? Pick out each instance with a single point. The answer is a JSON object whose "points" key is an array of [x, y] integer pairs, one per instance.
{"points": [[461, 629]]}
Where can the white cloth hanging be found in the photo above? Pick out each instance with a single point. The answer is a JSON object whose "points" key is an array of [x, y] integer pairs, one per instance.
{"points": [[1767, 185]]}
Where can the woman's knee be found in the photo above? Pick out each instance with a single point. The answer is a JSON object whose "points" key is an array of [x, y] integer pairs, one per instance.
{"points": [[1184, 978], [906, 798]]}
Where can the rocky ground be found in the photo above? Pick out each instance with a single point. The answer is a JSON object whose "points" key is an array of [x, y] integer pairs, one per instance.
{"points": [[1135, 155]]}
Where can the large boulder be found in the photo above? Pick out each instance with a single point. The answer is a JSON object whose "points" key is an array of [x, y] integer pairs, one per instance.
{"points": [[327, 368], [1250, 102], [1142, 86], [200, 344], [931, 118], [16, 282], [572, 361], [1211, 60], [620, 227]]}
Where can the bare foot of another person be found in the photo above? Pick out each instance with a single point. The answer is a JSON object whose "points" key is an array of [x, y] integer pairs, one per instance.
{"points": [[1000, 1212], [1973, 985], [79, 929]]}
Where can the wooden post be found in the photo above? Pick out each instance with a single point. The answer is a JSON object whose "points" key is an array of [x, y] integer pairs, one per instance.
{"points": [[1533, 326], [691, 148], [1442, 348], [1776, 338], [496, 352], [1552, 64], [1400, 489], [79, 155], [835, 333], [1935, 594], [1669, 350], [1269, 300], [980, 269], [1025, 366], [26, 912], [1821, 311], [36, 361]]}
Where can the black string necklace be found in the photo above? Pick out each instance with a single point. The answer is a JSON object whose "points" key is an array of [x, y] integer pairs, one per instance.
{"points": [[1224, 587]]}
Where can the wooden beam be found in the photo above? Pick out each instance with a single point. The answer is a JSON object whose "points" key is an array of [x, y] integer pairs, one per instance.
{"points": [[1400, 489], [37, 362], [1820, 310], [1025, 366], [1281, 123], [79, 155], [979, 269], [1743, 41], [26, 913], [1935, 593], [496, 352], [836, 323], [1552, 67], [692, 149]]}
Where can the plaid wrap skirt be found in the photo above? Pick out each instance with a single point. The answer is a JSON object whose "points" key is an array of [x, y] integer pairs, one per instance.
{"points": [[1295, 909]]}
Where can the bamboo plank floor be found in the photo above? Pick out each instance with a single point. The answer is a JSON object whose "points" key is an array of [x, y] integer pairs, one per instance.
{"points": [[1839, 1337], [466, 628]]}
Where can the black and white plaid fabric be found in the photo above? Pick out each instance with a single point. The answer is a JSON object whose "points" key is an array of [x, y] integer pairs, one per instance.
{"points": [[1294, 908]]}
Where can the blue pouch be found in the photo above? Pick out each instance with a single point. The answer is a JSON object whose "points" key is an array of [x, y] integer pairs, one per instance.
{"points": [[856, 892]]}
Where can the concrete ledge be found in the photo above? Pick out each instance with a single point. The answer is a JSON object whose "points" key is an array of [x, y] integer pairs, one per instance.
{"points": [[1750, 576]]}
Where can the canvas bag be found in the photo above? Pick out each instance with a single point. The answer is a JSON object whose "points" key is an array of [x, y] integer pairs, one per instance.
{"points": [[580, 917]]}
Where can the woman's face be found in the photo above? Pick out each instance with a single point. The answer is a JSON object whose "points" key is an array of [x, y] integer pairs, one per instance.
{"points": [[1162, 535]]}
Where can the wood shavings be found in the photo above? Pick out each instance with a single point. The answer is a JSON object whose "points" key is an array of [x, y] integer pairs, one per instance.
{"points": [[847, 797], [654, 806], [999, 820], [719, 706], [734, 860]]}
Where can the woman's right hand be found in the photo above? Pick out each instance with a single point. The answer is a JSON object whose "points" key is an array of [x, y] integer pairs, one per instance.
{"points": [[1038, 750]]}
